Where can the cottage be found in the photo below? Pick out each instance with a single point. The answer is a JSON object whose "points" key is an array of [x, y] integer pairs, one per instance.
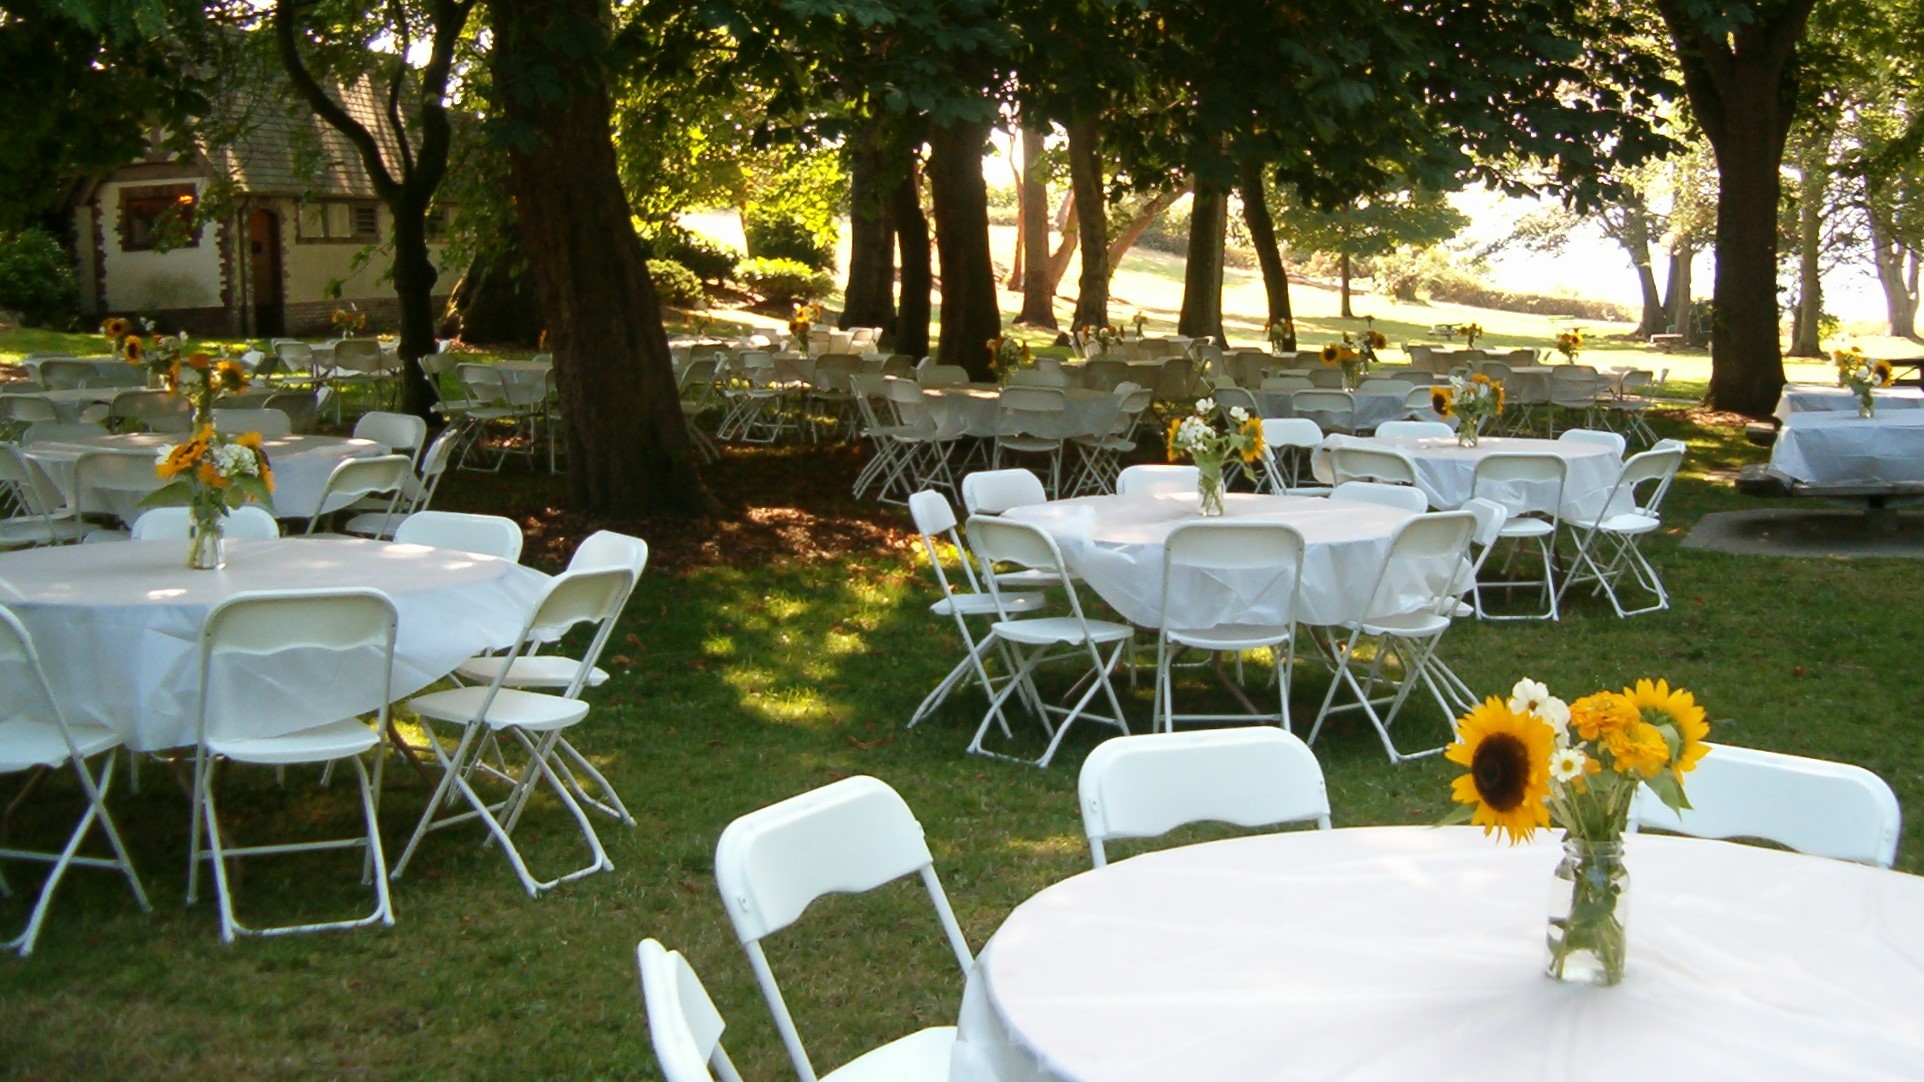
{"points": [[293, 231]]}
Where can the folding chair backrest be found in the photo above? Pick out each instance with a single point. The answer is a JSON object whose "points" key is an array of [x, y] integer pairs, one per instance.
{"points": [[1612, 440], [65, 375], [1657, 465], [1288, 383], [355, 626], [489, 535], [996, 540], [43, 432], [846, 837], [29, 408], [29, 696], [358, 354], [1372, 464], [484, 384], [1403, 497], [604, 549], [145, 405], [1145, 786], [1334, 404], [1497, 475], [942, 375], [1413, 430], [98, 472], [1496, 370], [1326, 377], [1432, 546], [683, 1024], [1228, 398], [269, 423], [935, 520], [248, 522], [356, 477], [399, 432], [991, 492], [1817, 807], [1152, 480], [1291, 432], [1104, 375], [1042, 412], [1376, 385]]}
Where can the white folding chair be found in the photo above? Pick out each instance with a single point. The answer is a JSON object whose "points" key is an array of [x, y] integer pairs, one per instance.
{"points": [[1033, 421], [248, 522], [1223, 568], [1414, 430], [359, 362], [355, 631], [683, 1024], [353, 478], [33, 510], [1332, 409], [417, 492], [487, 712], [1146, 786], [104, 481], [1508, 478], [155, 411], [400, 433], [935, 520], [271, 424], [1402, 497], [1822, 808], [300, 407], [1598, 436], [1287, 444], [1424, 564], [489, 535], [849, 836], [1380, 464], [1031, 640], [1157, 480], [991, 492], [1099, 454], [1607, 542], [36, 736]]}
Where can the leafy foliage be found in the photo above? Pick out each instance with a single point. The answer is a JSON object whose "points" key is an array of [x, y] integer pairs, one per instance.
{"points": [[676, 284], [712, 262], [36, 278], [784, 279]]}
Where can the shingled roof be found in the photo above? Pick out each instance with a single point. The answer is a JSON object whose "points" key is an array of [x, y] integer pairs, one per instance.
{"points": [[282, 148]]}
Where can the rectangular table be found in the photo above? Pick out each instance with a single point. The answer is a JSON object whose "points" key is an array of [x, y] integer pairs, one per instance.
{"points": [[1815, 398], [1842, 448]]}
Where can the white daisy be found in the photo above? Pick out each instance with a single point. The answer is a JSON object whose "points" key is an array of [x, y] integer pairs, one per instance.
{"points": [[1527, 694], [1238, 414], [1205, 405], [1566, 764]]}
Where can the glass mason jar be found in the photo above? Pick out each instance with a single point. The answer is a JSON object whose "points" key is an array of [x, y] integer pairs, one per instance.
{"points": [[1589, 901], [1209, 487]]}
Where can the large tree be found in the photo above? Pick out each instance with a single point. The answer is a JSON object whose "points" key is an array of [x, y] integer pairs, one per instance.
{"points": [[1740, 69], [628, 447]]}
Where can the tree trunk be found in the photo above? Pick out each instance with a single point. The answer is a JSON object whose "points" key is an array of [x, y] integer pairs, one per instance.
{"points": [[1038, 287], [414, 277], [1900, 298], [1677, 270], [1070, 229], [912, 238], [494, 302], [628, 447], [1092, 223], [1342, 262], [1805, 335], [1635, 238], [1269, 255], [1202, 276], [1138, 225], [970, 315], [869, 300]]}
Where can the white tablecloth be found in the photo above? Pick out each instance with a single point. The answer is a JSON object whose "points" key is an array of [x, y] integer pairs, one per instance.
{"points": [[1836, 447], [117, 626], [1115, 543], [301, 467], [1372, 407], [526, 381], [1446, 471], [1417, 953], [1814, 398], [971, 410]]}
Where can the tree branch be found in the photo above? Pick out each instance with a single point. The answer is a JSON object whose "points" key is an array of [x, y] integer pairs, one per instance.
{"points": [[399, 20], [327, 108]]}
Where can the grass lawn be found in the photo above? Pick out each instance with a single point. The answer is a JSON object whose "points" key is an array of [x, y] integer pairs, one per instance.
{"points": [[765, 655]]}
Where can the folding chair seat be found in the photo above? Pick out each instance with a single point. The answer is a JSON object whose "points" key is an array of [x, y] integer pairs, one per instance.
{"points": [[935, 520], [1146, 786], [850, 836], [1821, 808], [1508, 478], [35, 736], [355, 629], [1288, 443], [1424, 563], [1224, 569], [353, 478], [1607, 542], [489, 713], [1035, 640]]}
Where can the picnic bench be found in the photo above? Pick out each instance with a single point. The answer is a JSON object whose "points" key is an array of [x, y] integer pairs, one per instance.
{"points": [[1877, 497]]}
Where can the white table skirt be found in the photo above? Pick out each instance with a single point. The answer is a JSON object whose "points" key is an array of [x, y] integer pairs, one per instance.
{"points": [[971, 410], [301, 467], [117, 626], [1814, 398], [1446, 471], [1115, 543], [1418, 953], [1372, 408], [1843, 447]]}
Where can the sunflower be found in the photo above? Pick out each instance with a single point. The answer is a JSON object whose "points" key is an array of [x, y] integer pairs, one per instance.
{"points": [[116, 327], [1675, 713], [1174, 427], [1253, 431], [1332, 353], [1376, 340], [230, 376], [131, 349], [1440, 400], [1882, 371], [1508, 756], [199, 360]]}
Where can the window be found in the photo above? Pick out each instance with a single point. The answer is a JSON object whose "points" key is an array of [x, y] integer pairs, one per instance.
{"points": [[339, 220], [158, 216]]}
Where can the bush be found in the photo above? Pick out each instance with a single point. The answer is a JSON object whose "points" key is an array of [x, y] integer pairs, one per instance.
{"points": [[712, 262], [784, 279], [37, 279], [676, 284], [787, 238]]}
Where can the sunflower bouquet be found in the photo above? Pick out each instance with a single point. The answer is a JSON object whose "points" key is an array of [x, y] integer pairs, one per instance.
{"points": [[1472, 400], [1534, 760], [346, 321], [1281, 334], [1470, 332], [209, 473], [1862, 375], [1006, 355], [1140, 321], [1570, 343], [1346, 356], [1210, 448], [800, 322]]}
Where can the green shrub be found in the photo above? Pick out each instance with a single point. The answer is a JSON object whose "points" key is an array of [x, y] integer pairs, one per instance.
{"points": [[784, 279], [712, 262], [771, 237], [37, 279], [676, 284]]}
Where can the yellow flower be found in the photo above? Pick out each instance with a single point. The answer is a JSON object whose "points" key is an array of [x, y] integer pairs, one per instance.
{"points": [[1637, 749], [1480, 378], [199, 360], [1675, 710], [249, 440], [1170, 439], [230, 376], [131, 349], [209, 474], [1253, 431], [1376, 340], [1440, 400], [1332, 353], [1882, 370], [116, 327], [1599, 715], [1508, 756]]}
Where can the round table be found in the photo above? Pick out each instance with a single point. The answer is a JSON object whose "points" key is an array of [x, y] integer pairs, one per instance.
{"points": [[301, 466], [1115, 544], [1415, 952], [971, 409], [1446, 470], [117, 626], [1372, 408]]}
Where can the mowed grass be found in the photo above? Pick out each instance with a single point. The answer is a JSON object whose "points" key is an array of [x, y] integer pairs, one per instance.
{"points": [[745, 678]]}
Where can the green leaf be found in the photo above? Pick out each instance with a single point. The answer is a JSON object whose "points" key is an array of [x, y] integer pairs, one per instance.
{"points": [[172, 494]]}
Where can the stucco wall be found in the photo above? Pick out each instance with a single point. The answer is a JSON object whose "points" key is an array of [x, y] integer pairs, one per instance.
{"points": [[149, 281]]}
